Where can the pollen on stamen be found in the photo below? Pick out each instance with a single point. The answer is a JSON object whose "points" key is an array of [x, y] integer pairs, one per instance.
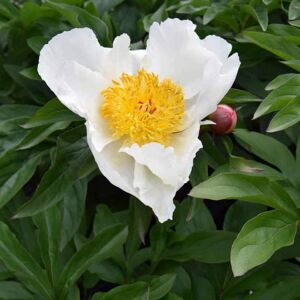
{"points": [[141, 109]]}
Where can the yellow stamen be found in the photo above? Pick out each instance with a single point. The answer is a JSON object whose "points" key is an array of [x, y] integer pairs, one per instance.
{"points": [[141, 109]]}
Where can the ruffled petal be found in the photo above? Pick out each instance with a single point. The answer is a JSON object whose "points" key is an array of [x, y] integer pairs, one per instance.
{"points": [[76, 67], [160, 171], [99, 134], [67, 64], [136, 179], [217, 45], [206, 102], [116, 166], [174, 51], [186, 144], [160, 160], [120, 59], [153, 192]]}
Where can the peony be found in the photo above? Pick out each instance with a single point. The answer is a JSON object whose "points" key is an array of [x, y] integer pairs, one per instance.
{"points": [[143, 108]]}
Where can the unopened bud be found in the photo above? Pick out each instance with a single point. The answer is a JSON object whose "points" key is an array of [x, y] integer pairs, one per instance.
{"points": [[225, 119]]}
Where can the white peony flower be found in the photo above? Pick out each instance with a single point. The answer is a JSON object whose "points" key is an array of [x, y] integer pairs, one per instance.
{"points": [[143, 108]]}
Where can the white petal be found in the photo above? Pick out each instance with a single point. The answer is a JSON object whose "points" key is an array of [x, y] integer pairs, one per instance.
{"points": [[120, 59], [79, 45], [116, 166], [68, 64], [75, 66], [79, 88], [207, 122], [139, 54], [186, 144], [154, 193], [99, 134], [206, 102], [160, 171], [220, 47], [174, 51], [159, 159]]}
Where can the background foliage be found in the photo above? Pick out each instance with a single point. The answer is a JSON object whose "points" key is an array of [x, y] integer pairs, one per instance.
{"points": [[66, 233]]}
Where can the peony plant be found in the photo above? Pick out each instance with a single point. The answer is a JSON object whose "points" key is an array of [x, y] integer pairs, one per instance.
{"points": [[149, 149]]}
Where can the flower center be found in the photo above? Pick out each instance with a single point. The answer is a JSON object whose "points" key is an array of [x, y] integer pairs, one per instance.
{"points": [[141, 109]]}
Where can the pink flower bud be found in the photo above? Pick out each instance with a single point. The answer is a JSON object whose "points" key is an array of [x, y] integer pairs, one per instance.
{"points": [[225, 118]]}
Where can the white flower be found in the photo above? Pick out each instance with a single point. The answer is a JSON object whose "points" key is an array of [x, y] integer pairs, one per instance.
{"points": [[143, 108]]}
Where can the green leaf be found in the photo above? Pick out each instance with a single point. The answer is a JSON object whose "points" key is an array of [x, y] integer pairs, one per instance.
{"points": [[260, 238], [49, 226], [172, 296], [200, 168], [191, 215], [255, 280], [6, 85], [13, 290], [190, 7], [30, 12], [156, 289], [16, 169], [17, 259], [73, 2], [158, 16], [291, 33], [298, 152], [52, 112], [8, 9], [31, 73], [104, 218], [287, 289], [9, 140], [286, 117], [36, 43], [201, 287], [58, 179], [294, 64], [240, 164], [98, 296], [229, 186], [279, 81], [79, 17], [235, 96], [281, 96], [14, 114], [280, 156], [245, 188], [134, 291], [158, 240], [212, 12], [160, 286], [39, 134], [277, 45], [213, 151], [73, 206], [34, 89], [239, 213], [260, 13], [16, 111], [202, 246], [73, 293], [4, 272], [108, 270], [294, 10], [139, 221], [106, 5], [101, 247]]}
